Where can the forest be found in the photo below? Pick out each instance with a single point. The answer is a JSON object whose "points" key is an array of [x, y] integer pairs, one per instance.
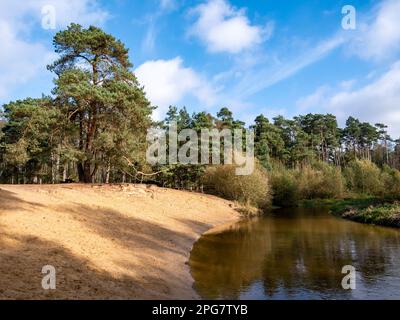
{"points": [[92, 129]]}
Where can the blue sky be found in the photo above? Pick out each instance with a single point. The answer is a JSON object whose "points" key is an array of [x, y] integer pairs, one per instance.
{"points": [[272, 57]]}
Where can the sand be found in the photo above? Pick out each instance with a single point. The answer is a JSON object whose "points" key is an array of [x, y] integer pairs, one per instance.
{"points": [[105, 242]]}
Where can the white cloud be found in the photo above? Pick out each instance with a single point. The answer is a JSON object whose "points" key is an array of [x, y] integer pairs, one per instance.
{"points": [[378, 101], [167, 82], [379, 37], [318, 99], [149, 39], [224, 28], [313, 100], [347, 84], [85, 12], [152, 21], [167, 4], [265, 77], [21, 60]]}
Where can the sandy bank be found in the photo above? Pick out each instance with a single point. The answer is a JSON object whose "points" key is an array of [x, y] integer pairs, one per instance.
{"points": [[106, 242]]}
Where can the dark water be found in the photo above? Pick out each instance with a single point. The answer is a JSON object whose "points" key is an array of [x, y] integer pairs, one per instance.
{"points": [[297, 254]]}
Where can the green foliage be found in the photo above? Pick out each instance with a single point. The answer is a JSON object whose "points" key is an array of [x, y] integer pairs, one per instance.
{"points": [[30, 135], [321, 134], [369, 210], [268, 141], [317, 181], [391, 181], [363, 176], [91, 45], [107, 111], [16, 154], [94, 127], [343, 205], [98, 118], [181, 176], [190, 176], [284, 186]]}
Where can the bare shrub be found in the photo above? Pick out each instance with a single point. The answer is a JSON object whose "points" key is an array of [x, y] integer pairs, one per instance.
{"points": [[250, 190], [320, 181]]}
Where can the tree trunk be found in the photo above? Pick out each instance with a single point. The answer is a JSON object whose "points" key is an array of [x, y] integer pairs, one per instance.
{"points": [[86, 172], [81, 173], [108, 172], [65, 171], [52, 168], [57, 173]]}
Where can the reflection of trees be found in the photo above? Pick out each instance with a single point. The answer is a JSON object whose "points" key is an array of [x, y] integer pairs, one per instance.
{"points": [[306, 251], [225, 263]]}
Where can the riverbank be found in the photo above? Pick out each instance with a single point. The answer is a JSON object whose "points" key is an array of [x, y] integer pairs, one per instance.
{"points": [[370, 211], [106, 242], [364, 210]]}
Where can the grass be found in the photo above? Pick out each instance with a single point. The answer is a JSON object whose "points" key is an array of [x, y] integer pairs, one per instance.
{"points": [[338, 205], [369, 210], [364, 209], [318, 203]]}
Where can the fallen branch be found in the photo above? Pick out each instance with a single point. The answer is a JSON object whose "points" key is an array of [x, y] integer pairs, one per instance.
{"points": [[140, 172]]}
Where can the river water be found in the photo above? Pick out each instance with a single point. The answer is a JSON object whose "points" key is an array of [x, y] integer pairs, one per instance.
{"points": [[297, 254]]}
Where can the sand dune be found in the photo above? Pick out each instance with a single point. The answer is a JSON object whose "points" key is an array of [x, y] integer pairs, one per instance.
{"points": [[106, 242]]}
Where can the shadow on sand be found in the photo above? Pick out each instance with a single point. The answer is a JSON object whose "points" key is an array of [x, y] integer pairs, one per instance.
{"points": [[22, 257]]}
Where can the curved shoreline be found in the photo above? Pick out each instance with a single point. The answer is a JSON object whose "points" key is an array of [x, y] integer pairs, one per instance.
{"points": [[215, 228], [105, 242], [370, 211]]}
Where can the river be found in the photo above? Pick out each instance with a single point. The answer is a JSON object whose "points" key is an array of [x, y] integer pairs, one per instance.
{"points": [[297, 254]]}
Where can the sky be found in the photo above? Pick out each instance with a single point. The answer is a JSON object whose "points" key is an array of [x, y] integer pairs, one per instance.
{"points": [[267, 56]]}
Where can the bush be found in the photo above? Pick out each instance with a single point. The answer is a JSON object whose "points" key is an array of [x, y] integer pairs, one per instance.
{"points": [[284, 187], [250, 190], [320, 181], [369, 210], [364, 177], [309, 183], [391, 182]]}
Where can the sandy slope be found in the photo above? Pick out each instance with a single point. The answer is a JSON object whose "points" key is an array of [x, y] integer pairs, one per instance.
{"points": [[106, 242]]}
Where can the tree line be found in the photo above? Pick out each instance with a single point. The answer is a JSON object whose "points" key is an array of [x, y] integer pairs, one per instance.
{"points": [[92, 127]]}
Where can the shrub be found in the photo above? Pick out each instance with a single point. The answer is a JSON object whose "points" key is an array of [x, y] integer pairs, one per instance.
{"points": [[334, 183], [284, 187], [364, 177], [320, 181], [250, 190], [310, 183], [391, 183]]}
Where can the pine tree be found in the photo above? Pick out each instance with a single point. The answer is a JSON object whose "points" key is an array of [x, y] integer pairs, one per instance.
{"points": [[98, 94]]}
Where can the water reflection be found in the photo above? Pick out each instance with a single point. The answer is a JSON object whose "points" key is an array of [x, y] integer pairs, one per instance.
{"points": [[297, 254]]}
